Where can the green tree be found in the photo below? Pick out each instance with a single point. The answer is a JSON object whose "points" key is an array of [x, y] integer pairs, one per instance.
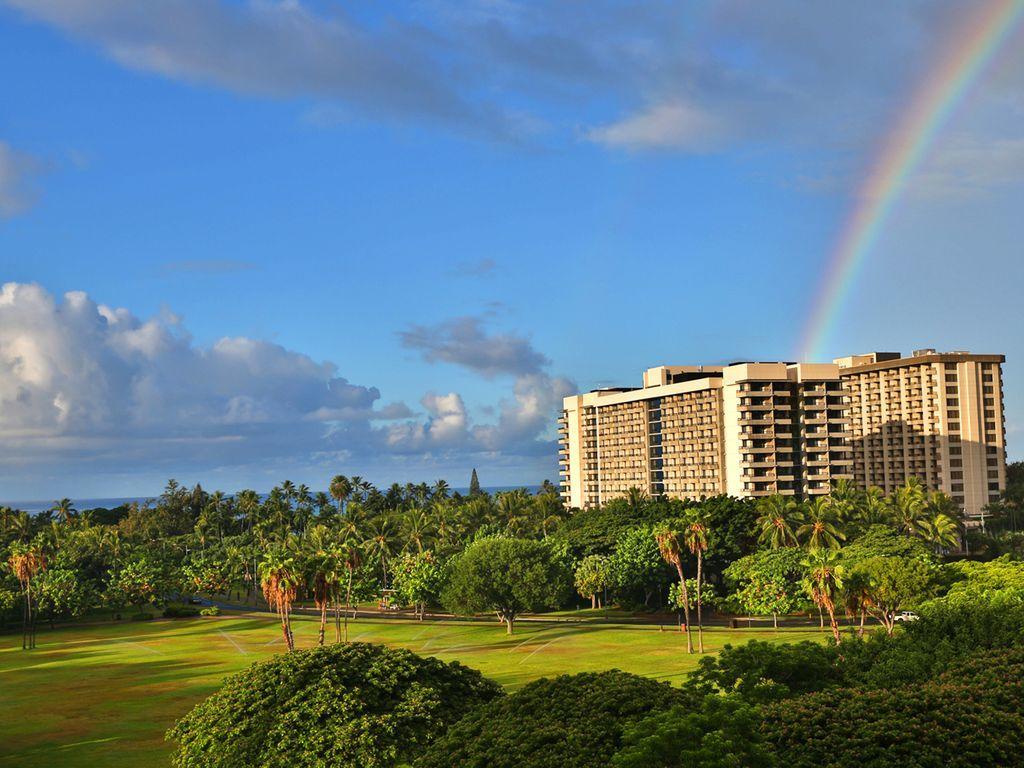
{"points": [[137, 582], [570, 721], [474, 484], [768, 582], [671, 553], [636, 565], [592, 577], [821, 526], [695, 536], [778, 520], [346, 706], [281, 579], [506, 576], [891, 583], [824, 583], [418, 579], [26, 561]]}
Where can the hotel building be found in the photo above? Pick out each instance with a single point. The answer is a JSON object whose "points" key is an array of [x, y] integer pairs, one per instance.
{"points": [[757, 429]]}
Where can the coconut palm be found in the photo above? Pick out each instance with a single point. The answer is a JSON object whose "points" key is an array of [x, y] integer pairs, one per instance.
{"points": [[779, 516], [847, 500], [695, 536], [821, 529], [941, 526], [322, 571], [875, 509], [671, 553], [909, 502], [382, 542], [25, 562], [636, 498], [281, 578], [417, 529], [341, 489], [824, 583], [64, 509], [440, 490]]}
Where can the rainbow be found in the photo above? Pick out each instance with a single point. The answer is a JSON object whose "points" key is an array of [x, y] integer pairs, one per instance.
{"points": [[901, 153]]}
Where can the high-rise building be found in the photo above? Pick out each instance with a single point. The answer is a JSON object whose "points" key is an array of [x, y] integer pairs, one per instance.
{"points": [[934, 416], [757, 429]]}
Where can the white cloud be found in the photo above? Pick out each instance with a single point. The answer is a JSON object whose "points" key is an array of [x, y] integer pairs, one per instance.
{"points": [[671, 125], [92, 389], [18, 175]]}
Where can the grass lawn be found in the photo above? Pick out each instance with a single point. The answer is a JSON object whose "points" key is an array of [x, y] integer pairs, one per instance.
{"points": [[104, 695]]}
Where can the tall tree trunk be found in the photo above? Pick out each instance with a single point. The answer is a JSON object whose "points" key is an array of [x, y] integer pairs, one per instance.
{"points": [[686, 605], [700, 618], [323, 620], [509, 621], [833, 624], [860, 629], [775, 621], [593, 601], [348, 602]]}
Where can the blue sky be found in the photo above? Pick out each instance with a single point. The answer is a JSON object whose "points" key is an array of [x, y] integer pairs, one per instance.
{"points": [[464, 211]]}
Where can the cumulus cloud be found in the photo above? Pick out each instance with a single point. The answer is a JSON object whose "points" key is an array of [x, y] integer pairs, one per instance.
{"points": [[19, 172], [464, 341], [86, 387]]}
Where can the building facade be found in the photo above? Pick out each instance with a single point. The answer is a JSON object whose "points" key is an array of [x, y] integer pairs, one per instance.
{"points": [[758, 429]]}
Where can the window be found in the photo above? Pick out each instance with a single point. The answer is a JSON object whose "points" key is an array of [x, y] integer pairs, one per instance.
{"points": [[993, 486], [952, 414], [953, 402], [950, 390], [956, 462], [991, 449], [950, 379], [956, 475], [955, 450], [958, 487], [993, 474]]}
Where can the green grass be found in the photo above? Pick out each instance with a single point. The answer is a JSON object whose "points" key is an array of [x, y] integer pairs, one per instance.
{"points": [[104, 695]]}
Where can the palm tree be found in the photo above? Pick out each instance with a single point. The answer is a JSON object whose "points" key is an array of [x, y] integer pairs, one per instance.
{"points": [[908, 506], [847, 500], [876, 509], [417, 529], [351, 557], [636, 498], [824, 582], [821, 529], [322, 571], [65, 511], [778, 516], [25, 562], [440, 490], [941, 528], [381, 543], [671, 553], [695, 535], [280, 579], [341, 489]]}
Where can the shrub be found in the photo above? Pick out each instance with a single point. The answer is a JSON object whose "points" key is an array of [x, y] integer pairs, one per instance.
{"points": [[345, 706], [972, 715], [177, 611], [572, 721], [211, 610]]}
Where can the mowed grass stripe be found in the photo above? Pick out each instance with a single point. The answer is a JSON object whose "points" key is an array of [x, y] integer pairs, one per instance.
{"points": [[106, 694]]}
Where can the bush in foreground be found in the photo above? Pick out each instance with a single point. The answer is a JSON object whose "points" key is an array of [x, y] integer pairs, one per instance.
{"points": [[571, 721], [358, 705]]}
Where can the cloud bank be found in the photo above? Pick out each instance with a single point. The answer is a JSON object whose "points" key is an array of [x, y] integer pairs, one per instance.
{"points": [[85, 387]]}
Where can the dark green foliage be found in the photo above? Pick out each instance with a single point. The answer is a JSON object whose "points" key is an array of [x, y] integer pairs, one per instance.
{"points": [[972, 715], [721, 733], [474, 484], [571, 721], [758, 671], [507, 577], [885, 541], [344, 706]]}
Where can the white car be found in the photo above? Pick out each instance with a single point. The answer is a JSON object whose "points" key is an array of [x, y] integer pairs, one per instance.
{"points": [[906, 616]]}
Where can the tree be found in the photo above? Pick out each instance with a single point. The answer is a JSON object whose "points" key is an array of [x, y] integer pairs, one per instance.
{"points": [[62, 593], [779, 516], [474, 484], [695, 536], [721, 733], [280, 578], [768, 582], [824, 583], [65, 510], [821, 527], [909, 503], [26, 561], [417, 579], [891, 583], [636, 564], [671, 553], [136, 582], [506, 576], [346, 706], [592, 577], [341, 490], [570, 721], [322, 572]]}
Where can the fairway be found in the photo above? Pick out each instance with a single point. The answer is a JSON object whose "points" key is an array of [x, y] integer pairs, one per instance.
{"points": [[104, 695]]}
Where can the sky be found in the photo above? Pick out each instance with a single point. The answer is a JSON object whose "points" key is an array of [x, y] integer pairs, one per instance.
{"points": [[250, 240]]}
